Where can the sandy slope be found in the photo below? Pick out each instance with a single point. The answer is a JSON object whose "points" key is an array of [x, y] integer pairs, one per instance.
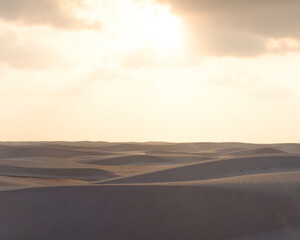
{"points": [[64, 173], [143, 212], [157, 190], [291, 233], [148, 159], [259, 151], [218, 169], [38, 151]]}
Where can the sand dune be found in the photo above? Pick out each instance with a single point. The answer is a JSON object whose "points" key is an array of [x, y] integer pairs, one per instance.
{"points": [[229, 150], [131, 159], [218, 169], [156, 190], [143, 212], [38, 151], [173, 147], [12, 183], [63, 173], [291, 233], [145, 159], [259, 151], [287, 147]]}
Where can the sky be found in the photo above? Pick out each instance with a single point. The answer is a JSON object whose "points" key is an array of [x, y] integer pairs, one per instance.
{"points": [[150, 70]]}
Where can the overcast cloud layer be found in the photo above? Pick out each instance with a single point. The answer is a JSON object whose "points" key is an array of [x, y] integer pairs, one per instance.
{"points": [[241, 28], [41, 12], [232, 76]]}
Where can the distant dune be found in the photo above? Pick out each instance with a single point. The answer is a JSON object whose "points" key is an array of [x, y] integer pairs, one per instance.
{"points": [[131, 159], [63, 173], [36, 151], [155, 190], [146, 159], [258, 151], [218, 169]]}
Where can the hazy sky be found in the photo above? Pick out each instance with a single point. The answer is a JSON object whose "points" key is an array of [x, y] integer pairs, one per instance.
{"points": [[143, 70]]}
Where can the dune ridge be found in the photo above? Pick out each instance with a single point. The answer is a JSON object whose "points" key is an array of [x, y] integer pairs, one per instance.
{"points": [[155, 190], [217, 169], [102, 210]]}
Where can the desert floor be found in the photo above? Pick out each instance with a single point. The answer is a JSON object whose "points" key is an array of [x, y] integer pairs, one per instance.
{"points": [[155, 190]]}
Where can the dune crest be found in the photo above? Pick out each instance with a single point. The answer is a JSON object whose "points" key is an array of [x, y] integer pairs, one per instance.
{"points": [[156, 190]]}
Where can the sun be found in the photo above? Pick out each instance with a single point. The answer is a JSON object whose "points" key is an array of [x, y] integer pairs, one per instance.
{"points": [[130, 25], [151, 24], [163, 30]]}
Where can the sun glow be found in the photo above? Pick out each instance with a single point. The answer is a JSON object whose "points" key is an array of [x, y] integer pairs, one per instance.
{"points": [[135, 25], [152, 25], [163, 30]]}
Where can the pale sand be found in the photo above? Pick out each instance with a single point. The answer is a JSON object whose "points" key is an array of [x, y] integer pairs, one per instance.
{"points": [[118, 191], [278, 234], [219, 168]]}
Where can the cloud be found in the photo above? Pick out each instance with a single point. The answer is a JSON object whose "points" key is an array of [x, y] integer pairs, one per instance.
{"points": [[149, 57], [220, 42], [242, 28], [55, 13], [23, 53]]}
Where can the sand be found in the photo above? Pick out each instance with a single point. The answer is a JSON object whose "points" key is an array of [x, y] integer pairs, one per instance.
{"points": [[156, 190]]}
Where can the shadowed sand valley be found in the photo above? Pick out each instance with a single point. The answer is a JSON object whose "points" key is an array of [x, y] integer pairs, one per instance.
{"points": [[155, 190]]}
